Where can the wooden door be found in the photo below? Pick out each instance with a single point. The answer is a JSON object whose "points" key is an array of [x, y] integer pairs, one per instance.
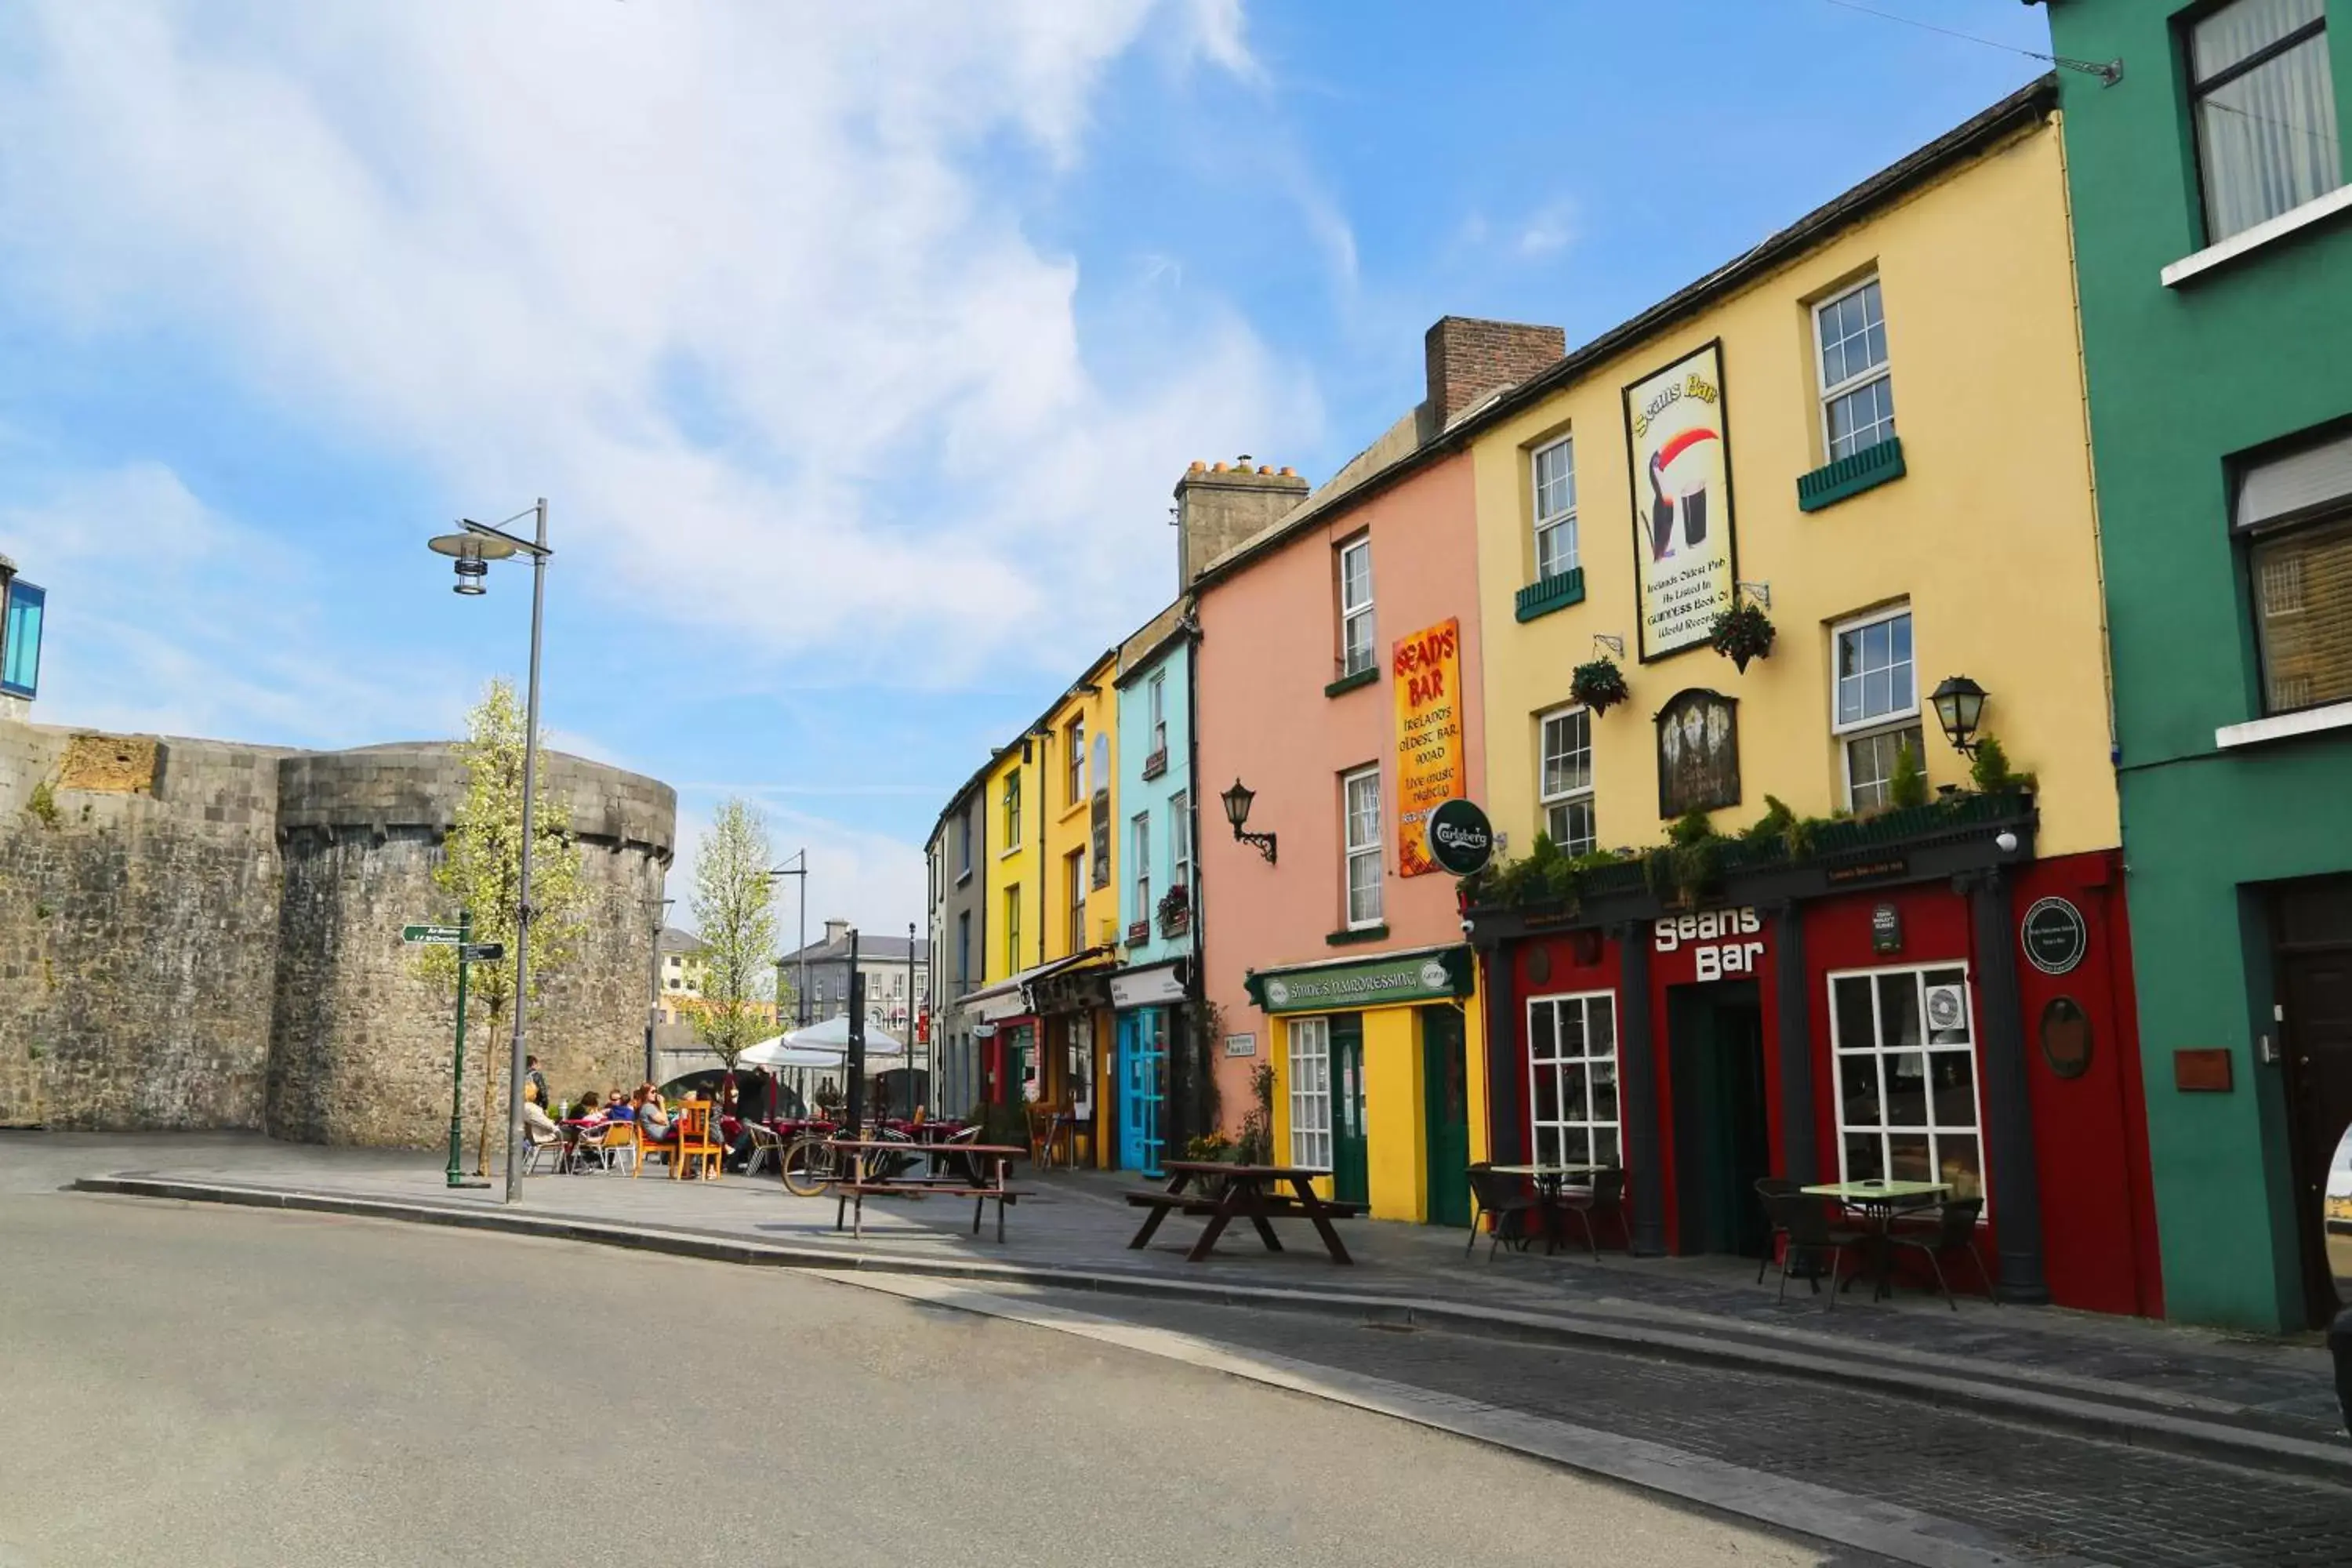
{"points": [[1351, 1171], [1445, 1103], [2315, 929]]}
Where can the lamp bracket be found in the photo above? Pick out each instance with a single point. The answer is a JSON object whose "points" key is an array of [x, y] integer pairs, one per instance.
{"points": [[1262, 841], [1760, 592], [1615, 645]]}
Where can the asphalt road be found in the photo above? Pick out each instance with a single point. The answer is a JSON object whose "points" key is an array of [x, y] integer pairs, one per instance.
{"points": [[192, 1386]]}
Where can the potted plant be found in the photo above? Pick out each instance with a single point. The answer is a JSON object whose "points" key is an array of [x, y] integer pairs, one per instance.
{"points": [[1175, 911], [1600, 684], [1741, 633]]}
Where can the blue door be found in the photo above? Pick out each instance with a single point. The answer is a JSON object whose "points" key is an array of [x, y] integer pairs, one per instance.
{"points": [[1142, 1087]]}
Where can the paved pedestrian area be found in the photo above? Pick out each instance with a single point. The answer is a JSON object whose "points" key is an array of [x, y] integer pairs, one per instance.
{"points": [[1077, 1222]]}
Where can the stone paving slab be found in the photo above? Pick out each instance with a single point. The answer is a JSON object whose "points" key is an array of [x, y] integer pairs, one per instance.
{"points": [[2273, 1393]]}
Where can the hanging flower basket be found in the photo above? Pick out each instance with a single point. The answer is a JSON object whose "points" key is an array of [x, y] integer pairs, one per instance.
{"points": [[1741, 633], [1600, 684]]}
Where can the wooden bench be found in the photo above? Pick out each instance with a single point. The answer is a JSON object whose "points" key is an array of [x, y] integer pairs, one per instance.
{"points": [[853, 1194]]}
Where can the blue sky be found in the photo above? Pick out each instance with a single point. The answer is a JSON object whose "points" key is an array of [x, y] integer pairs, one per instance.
{"points": [[856, 348]]}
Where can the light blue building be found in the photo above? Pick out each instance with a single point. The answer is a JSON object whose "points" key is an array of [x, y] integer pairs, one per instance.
{"points": [[22, 605], [1156, 896]]}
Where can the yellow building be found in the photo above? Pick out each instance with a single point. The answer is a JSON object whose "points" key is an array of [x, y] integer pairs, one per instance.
{"points": [[1866, 437], [1983, 530], [1052, 897]]}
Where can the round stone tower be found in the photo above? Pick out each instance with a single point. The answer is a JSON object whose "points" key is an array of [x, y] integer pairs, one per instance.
{"points": [[360, 1043]]}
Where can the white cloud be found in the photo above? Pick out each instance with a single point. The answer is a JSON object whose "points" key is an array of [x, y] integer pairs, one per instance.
{"points": [[871, 880], [1547, 231], [745, 285]]}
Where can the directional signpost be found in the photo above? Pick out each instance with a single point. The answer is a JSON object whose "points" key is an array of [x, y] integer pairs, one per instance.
{"points": [[469, 952]]}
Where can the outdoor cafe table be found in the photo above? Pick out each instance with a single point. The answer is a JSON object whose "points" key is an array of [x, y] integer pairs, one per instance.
{"points": [[1252, 1192], [1548, 1180], [1882, 1201]]}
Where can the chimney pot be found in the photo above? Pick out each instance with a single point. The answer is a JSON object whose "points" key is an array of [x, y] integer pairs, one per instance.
{"points": [[1218, 467]]}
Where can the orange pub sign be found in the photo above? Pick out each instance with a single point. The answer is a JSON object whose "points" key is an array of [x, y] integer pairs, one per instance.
{"points": [[1427, 668]]}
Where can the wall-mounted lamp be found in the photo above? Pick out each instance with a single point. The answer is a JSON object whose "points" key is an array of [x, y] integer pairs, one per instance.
{"points": [[1959, 705], [1237, 809]]}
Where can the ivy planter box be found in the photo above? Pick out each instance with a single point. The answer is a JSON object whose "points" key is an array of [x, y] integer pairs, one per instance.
{"points": [[1546, 594]]}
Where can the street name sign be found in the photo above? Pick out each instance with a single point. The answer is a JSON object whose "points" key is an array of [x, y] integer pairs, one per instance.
{"points": [[435, 936], [482, 952]]}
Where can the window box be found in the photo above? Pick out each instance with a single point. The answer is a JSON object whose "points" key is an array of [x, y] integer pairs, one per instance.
{"points": [[1546, 594], [1156, 763], [1360, 933], [1834, 482], [1349, 682], [1176, 912], [1138, 932]]}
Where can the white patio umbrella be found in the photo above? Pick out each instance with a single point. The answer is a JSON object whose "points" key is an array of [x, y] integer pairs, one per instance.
{"points": [[832, 1037], [778, 1052]]}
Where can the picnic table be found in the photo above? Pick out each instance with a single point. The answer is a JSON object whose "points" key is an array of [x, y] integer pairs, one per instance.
{"points": [[1881, 1201], [1253, 1193], [870, 1171]]}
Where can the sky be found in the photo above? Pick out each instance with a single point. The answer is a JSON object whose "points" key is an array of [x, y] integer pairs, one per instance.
{"points": [[856, 348]]}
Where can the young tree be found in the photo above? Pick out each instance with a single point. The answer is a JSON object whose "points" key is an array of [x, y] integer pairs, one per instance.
{"points": [[733, 913], [481, 871]]}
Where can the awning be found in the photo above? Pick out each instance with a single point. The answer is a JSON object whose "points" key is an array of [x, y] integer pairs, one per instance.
{"points": [[1010, 998], [1149, 985]]}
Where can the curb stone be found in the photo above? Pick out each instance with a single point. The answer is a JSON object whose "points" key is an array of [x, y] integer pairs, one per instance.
{"points": [[2136, 1425]]}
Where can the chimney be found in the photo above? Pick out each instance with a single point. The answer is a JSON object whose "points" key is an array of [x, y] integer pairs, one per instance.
{"points": [[1219, 505], [1468, 359], [835, 931]]}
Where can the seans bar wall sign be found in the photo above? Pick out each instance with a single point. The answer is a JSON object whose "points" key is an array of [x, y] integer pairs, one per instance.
{"points": [[2056, 935], [1461, 839]]}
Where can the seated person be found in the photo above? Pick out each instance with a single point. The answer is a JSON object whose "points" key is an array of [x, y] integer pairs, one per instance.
{"points": [[536, 1126], [617, 1108], [653, 1121]]}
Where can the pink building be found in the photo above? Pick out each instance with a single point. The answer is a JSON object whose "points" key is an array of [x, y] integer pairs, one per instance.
{"points": [[1336, 960]]}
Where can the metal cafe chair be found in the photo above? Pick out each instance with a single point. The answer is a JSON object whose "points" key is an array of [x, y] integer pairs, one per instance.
{"points": [[1605, 1195], [1769, 1188], [1499, 1200], [1955, 1231], [1807, 1226]]}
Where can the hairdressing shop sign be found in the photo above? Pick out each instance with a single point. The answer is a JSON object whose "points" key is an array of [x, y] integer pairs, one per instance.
{"points": [[1724, 944]]}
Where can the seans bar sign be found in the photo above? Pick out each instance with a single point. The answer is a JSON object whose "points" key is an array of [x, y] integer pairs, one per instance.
{"points": [[1722, 944], [1461, 839]]}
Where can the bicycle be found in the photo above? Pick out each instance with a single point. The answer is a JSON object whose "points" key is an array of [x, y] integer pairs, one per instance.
{"points": [[814, 1161]]}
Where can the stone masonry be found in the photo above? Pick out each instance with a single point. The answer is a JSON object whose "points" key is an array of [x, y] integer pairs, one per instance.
{"points": [[196, 934]]}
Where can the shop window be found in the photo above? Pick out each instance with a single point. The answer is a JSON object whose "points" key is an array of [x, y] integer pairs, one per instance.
{"points": [[1360, 793], [1141, 831], [1564, 786], [1310, 1092], [1012, 811], [1906, 1078], [1856, 390], [1875, 704], [1555, 522], [1572, 1079], [2265, 110], [2293, 514], [1356, 606]]}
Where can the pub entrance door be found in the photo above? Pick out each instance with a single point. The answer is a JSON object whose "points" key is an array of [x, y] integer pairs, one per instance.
{"points": [[1715, 1035]]}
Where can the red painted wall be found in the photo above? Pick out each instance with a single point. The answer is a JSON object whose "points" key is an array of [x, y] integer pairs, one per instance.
{"points": [[2098, 1215]]}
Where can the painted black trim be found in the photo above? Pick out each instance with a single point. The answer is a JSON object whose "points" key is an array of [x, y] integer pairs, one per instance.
{"points": [[1799, 1150], [1637, 1068], [2012, 1175]]}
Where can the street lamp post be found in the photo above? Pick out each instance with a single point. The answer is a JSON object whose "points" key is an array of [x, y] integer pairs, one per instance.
{"points": [[479, 544], [659, 909], [800, 997]]}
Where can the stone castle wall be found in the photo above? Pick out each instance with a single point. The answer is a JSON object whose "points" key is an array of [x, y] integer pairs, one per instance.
{"points": [[215, 941]]}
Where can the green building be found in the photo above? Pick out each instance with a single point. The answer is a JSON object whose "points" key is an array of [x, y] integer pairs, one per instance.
{"points": [[2213, 235]]}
